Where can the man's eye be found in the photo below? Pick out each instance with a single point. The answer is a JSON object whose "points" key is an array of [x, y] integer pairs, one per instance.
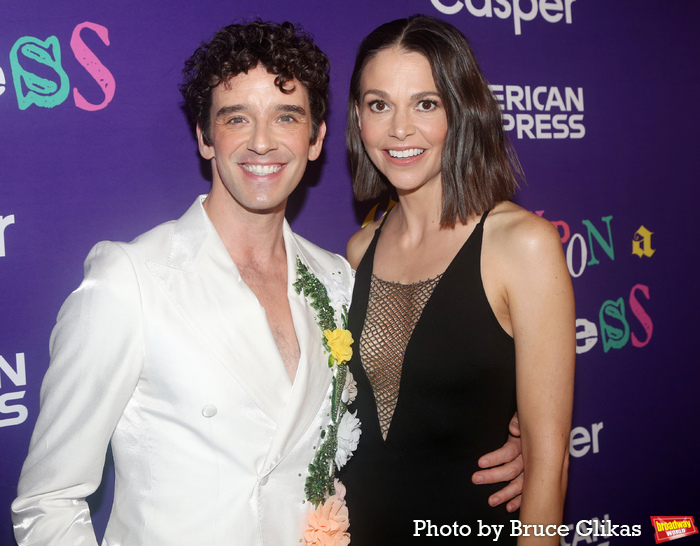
{"points": [[236, 120], [287, 118]]}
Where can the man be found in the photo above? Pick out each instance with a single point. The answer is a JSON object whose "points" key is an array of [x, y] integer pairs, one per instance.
{"points": [[189, 349]]}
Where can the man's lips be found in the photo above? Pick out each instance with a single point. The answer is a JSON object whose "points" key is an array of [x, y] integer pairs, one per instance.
{"points": [[261, 169]]}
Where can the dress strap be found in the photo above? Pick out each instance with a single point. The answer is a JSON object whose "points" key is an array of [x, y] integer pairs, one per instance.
{"points": [[375, 238], [483, 218], [386, 215]]}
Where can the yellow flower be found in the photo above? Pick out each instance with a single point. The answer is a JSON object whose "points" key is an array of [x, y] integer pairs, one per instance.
{"points": [[339, 341]]}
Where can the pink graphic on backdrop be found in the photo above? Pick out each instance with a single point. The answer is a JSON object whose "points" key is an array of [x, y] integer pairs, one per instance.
{"points": [[641, 314], [92, 64]]}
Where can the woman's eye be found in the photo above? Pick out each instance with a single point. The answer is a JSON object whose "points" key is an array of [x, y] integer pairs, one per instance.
{"points": [[377, 106], [427, 105]]}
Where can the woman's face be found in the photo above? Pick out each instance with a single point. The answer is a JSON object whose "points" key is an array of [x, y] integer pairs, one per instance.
{"points": [[402, 119]]}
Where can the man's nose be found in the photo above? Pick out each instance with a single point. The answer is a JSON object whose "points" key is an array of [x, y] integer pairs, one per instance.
{"points": [[262, 139]]}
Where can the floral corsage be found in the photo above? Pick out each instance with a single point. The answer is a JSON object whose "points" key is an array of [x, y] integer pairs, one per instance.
{"points": [[328, 523]]}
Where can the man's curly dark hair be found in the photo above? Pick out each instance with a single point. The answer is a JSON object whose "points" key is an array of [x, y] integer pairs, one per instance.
{"points": [[283, 49]]}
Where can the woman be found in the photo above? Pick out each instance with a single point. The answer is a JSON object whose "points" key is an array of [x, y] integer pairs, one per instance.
{"points": [[462, 302]]}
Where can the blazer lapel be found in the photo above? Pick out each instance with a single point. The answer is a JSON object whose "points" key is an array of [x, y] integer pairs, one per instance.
{"points": [[202, 282], [313, 378]]}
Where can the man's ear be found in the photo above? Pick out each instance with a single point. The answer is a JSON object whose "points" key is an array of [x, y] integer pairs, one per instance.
{"points": [[205, 150], [317, 145]]}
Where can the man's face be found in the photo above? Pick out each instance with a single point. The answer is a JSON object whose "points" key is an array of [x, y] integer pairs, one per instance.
{"points": [[260, 140]]}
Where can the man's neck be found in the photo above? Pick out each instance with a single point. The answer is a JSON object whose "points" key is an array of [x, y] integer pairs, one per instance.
{"points": [[250, 237]]}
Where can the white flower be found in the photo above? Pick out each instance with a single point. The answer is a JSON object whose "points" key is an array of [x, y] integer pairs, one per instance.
{"points": [[348, 438], [349, 389], [338, 293], [339, 489]]}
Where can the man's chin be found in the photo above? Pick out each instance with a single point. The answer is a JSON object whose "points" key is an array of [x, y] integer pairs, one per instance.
{"points": [[266, 207]]}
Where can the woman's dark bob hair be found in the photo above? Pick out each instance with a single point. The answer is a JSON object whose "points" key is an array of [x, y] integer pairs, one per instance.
{"points": [[479, 166]]}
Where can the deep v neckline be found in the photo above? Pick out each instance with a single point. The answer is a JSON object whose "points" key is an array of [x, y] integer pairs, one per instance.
{"points": [[427, 309]]}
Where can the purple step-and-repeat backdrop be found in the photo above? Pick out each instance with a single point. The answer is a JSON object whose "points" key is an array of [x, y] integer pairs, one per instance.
{"points": [[600, 100]]}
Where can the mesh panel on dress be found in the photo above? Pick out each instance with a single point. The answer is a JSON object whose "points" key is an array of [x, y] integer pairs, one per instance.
{"points": [[392, 313]]}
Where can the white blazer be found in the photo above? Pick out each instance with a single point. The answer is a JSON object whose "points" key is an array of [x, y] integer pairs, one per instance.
{"points": [[164, 351]]}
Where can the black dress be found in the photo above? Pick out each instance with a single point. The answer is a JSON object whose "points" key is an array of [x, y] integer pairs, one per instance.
{"points": [[455, 395]]}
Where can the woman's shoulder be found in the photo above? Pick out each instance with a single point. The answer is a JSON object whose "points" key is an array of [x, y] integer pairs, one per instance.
{"points": [[359, 243], [520, 232]]}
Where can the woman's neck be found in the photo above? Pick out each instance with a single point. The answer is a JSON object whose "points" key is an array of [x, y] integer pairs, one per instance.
{"points": [[418, 212]]}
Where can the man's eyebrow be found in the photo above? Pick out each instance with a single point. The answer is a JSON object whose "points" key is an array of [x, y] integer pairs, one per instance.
{"points": [[285, 108], [231, 109], [291, 108]]}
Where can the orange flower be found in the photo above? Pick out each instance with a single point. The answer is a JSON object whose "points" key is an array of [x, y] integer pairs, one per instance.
{"points": [[328, 524]]}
